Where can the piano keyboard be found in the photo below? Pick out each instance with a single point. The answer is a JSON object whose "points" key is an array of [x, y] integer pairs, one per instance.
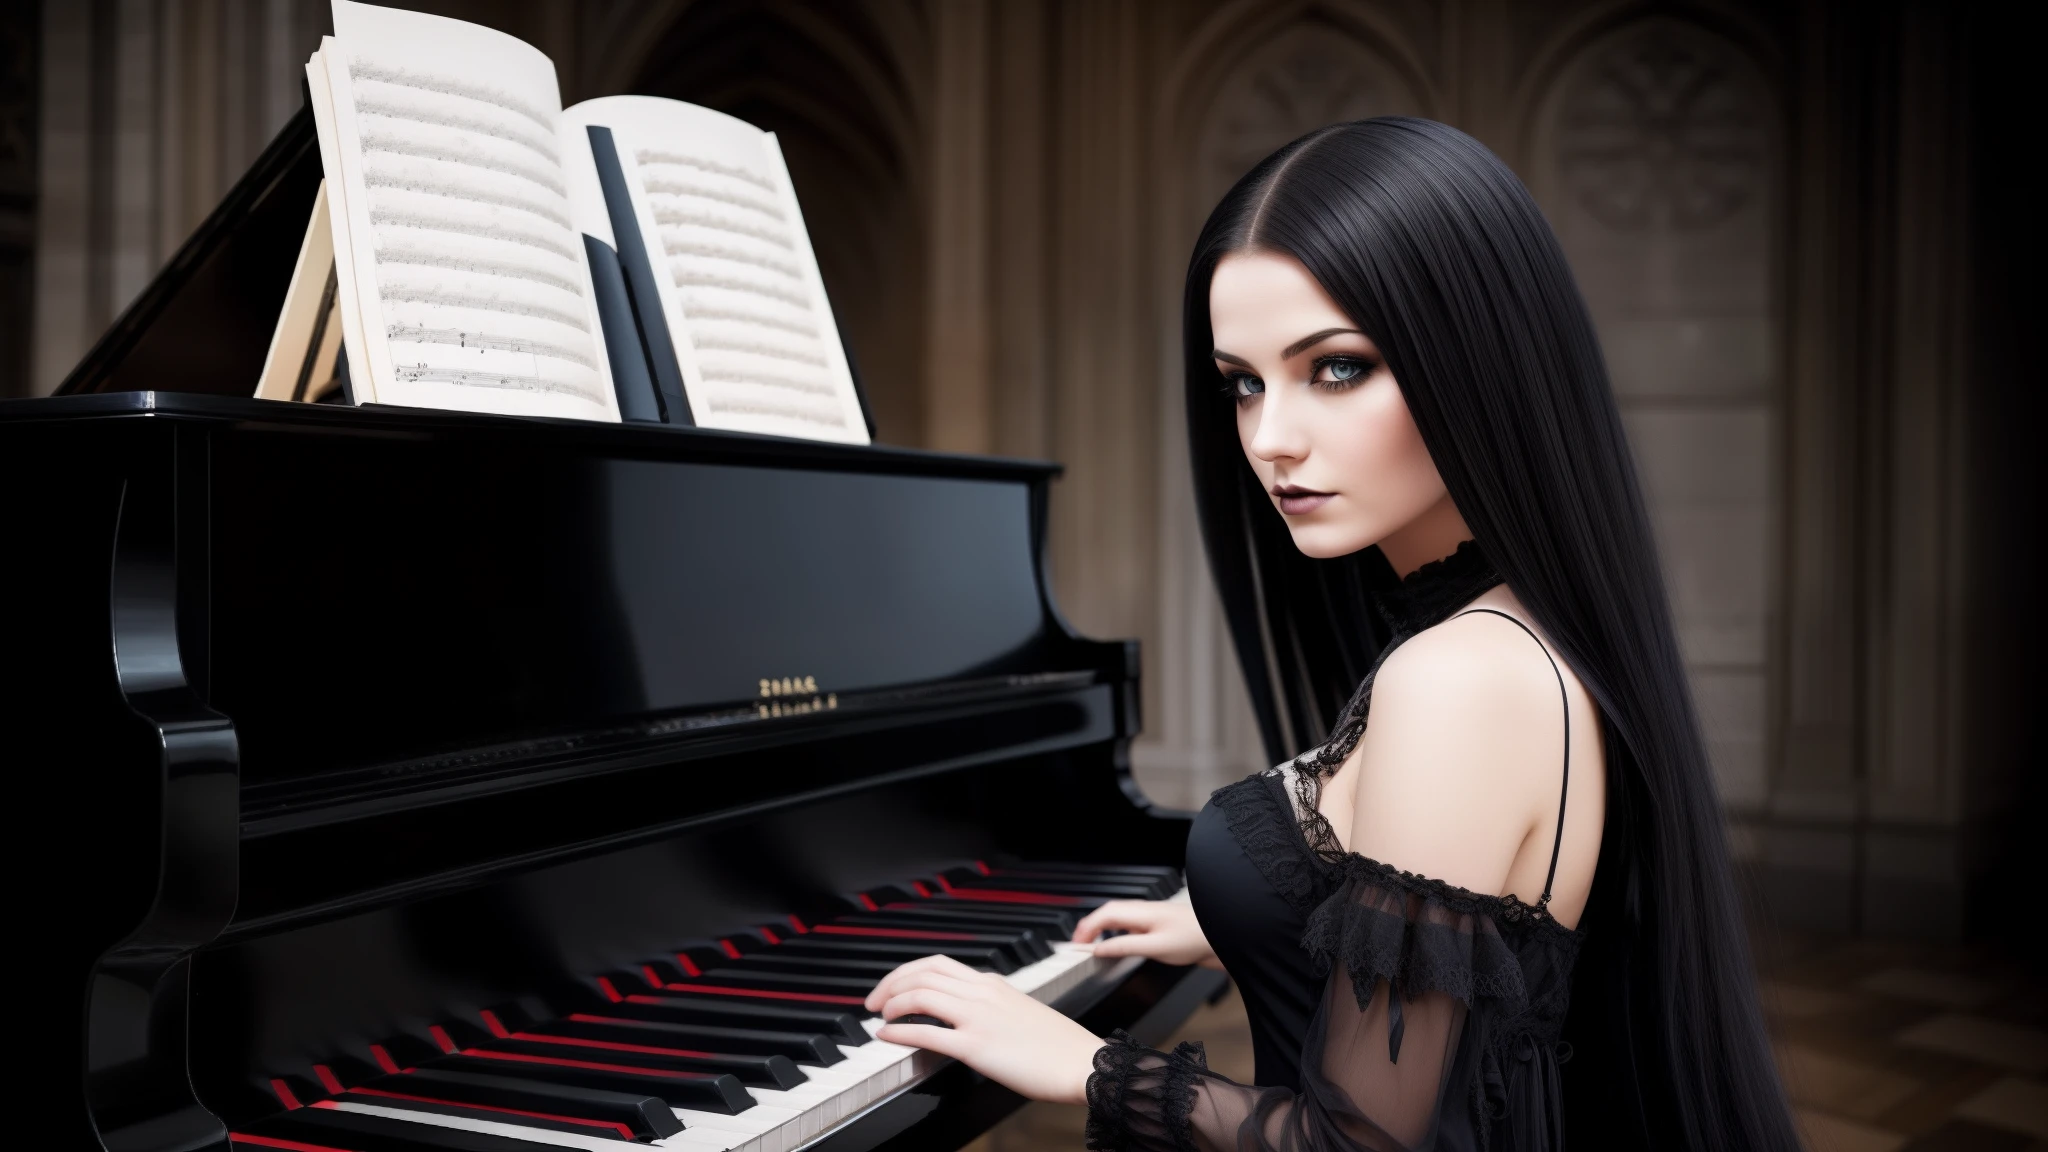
{"points": [[636, 1060]]}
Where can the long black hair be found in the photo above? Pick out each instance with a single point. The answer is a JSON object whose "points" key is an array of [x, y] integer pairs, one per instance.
{"points": [[1440, 255]]}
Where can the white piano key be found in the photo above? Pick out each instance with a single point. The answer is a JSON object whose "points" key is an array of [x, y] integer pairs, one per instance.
{"points": [[514, 1131]]}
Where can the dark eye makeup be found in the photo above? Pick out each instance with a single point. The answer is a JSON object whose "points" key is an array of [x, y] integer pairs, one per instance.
{"points": [[1340, 372], [1331, 373]]}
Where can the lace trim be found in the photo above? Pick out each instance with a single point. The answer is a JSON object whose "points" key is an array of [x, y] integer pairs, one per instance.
{"points": [[1116, 1065], [1435, 590], [1420, 936], [1184, 1067], [1120, 1074], [1508, 909], [1263, 826]]}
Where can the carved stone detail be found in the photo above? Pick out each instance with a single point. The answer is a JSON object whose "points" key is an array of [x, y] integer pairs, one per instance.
{"points": [[1307, 76], [1662, 130]]}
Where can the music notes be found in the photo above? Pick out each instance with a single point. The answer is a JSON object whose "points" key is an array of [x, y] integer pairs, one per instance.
{"points": [[748, 305], [477, 266]]}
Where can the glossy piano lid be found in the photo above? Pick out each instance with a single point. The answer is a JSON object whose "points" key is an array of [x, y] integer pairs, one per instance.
{"points": [[678, 442]]}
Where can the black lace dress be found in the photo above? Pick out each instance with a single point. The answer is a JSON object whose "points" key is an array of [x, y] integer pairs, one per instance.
{"points": [[1388, 1011]]}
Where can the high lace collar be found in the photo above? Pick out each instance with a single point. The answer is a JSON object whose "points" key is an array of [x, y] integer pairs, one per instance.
{"points": [[1428, 595]]}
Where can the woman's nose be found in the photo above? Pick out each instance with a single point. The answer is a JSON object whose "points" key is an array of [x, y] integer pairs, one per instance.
{"points": [[1279, 434]]}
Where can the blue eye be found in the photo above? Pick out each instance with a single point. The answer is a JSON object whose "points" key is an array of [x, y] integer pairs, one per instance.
{"points": [[1242, 386], [1342, 371]]}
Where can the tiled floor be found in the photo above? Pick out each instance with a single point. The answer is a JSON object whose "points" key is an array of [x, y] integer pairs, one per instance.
{"points": [[1884, 1047]]}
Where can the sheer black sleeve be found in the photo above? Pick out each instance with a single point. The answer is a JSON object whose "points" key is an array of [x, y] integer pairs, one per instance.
{"points": [[1399, 1056]]}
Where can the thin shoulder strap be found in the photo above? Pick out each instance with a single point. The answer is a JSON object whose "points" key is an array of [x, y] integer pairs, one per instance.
{"points": [[1564, 790]]}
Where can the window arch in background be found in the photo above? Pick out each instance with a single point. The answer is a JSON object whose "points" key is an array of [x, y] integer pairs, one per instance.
{"points": [[1656, 155]]}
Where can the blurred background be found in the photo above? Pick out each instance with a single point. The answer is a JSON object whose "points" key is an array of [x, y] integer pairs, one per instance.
{"points": [[1802, 228]]}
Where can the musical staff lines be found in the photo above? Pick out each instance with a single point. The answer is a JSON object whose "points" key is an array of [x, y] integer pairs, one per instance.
{"points": [[477, 302], [478, 266], [551, 212], [454, 338], [361, 69], [748, 305], [482, 228], [745, 175]]}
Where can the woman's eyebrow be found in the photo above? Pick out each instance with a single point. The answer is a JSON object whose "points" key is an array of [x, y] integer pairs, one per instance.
{"points": [[1315, 338], [1220, 354]]}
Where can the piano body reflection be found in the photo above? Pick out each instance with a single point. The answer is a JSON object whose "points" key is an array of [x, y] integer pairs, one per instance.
{"points": [[396, 779]]}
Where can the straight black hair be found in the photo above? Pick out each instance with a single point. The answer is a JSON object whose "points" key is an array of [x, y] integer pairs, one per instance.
{"points": [[1438, 253]]}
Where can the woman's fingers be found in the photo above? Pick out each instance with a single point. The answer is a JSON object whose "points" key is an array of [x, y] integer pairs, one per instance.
{"points": [[938, 1002], [1119, 946], [1117, 914], [922, 971], [944, 1041]]}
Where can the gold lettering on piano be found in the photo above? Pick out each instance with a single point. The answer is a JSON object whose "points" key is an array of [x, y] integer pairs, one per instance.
{"points": [[779, 687]]}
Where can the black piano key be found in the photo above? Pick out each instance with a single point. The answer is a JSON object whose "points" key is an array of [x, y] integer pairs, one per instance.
{"points": [[739, 944], [761, 1071], [292, 1090], [842, 1027], [1025, 941], [778, 961], [1024, 885], [765, 1070], [802, 1047], [770, 980], [861, 948], [708, 992], [720, 1092], [1057, 923], [628, 1115], [348, 1072], [874, 898], [1160, 871], [683, 965], [1153, 887], [357, 1132], [1079, 905], [404, 1051]]}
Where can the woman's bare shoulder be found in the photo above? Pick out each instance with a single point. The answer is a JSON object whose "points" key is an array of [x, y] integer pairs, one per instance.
{"points": [[1461, 745]]}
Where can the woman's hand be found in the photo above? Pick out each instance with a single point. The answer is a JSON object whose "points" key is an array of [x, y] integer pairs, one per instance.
{"points": [[995, 1029], [1163, 930]]}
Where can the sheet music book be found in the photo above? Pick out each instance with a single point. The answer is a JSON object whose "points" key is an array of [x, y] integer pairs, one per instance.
{"points": [[630, 257]]}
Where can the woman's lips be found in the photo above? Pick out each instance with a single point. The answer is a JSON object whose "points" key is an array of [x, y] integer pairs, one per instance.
{"points": [[1301, 501]]}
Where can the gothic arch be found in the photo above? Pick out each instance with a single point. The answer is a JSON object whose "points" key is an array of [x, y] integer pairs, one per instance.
{"points": [[1657, 151], [1376, 71], [1601, 23]]}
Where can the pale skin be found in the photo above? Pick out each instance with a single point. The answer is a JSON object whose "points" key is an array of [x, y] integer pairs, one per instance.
{"points": [[1457, 775]]}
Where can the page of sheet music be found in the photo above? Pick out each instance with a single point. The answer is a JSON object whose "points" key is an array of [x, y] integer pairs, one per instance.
{"points": [[755, 336], [470, 280]]}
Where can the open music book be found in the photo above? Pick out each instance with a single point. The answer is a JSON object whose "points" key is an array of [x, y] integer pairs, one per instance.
{"points": [[629, 257]]}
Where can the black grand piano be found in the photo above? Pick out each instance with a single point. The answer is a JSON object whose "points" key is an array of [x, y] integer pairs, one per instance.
{"points": [[388, 779]]}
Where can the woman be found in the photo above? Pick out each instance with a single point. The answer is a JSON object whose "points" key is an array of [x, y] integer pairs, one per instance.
{"points": [[1507, 855]]}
